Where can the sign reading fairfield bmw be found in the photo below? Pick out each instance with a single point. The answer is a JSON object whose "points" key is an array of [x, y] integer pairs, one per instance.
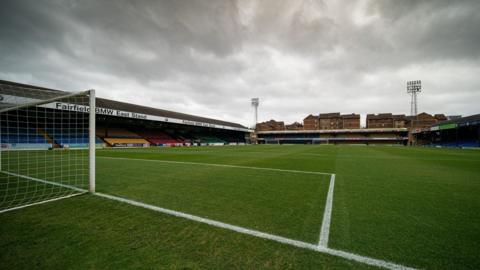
{"points": [[112, 112], [120, 113]]}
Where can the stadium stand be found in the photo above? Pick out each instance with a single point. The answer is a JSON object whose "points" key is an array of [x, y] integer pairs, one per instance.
{"points": [[67, 137], [121, 137], [116, 133], [339, 136], [23, 137], [159, 138], [163, 134], [127, 142], [26, 136], [345, 128], [461, 132], [122, 124], [210, 140]]}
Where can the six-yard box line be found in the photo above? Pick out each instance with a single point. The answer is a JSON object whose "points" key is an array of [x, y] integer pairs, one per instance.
{"points": [[321, 247]]}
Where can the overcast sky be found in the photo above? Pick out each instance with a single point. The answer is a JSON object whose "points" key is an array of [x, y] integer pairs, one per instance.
{"points": [[210, 57]]}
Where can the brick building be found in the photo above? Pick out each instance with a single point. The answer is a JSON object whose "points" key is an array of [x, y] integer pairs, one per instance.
{"points": [[335, 121], [381, 120], [310, 122], [423, 120], [399, 120], [294, 126], [440, 117], [330, 121], [270, 125], [351, 121], [387, 120]]}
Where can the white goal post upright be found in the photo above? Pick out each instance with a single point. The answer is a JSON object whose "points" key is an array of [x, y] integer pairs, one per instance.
{"points": [[91, 142]]}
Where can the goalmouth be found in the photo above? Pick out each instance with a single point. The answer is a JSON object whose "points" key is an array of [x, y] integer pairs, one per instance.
{"points": [[46, 153]]}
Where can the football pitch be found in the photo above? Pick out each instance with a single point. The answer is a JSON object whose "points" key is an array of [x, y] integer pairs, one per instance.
{"points": [[259, 207]]}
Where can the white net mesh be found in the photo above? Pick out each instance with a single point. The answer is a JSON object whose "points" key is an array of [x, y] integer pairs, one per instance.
{"points": [[44, 147]]}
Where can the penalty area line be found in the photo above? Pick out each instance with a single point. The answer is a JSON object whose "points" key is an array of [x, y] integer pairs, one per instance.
{"points": [[327, 215], [216, 165], [258, 234]]}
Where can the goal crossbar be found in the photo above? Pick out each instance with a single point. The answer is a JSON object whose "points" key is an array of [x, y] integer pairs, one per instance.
{"points": [[46, 101]]}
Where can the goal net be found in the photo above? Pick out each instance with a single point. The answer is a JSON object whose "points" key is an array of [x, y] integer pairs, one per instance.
{"points": [[47, 145]]}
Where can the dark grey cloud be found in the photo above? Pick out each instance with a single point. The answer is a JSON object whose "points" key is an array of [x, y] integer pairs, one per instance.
{"points": [[210, 57]]}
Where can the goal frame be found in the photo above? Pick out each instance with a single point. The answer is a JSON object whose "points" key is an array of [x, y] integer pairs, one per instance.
{"points": [[91, 128]]}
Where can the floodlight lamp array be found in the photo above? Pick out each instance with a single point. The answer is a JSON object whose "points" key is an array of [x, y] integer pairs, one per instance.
{"points": [[414, 86]]}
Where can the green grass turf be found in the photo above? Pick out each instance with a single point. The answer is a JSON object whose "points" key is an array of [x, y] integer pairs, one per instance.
{"points": [[63, 167], [17, 191], [88, 232], [283, 203], [413, 206]]}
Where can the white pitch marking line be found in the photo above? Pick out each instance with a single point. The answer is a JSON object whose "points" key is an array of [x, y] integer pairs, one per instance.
{"points": [[37, 203], [45, 181], [217, 165], [327, 215], [276, 238], [365, 260], [82, 191]]}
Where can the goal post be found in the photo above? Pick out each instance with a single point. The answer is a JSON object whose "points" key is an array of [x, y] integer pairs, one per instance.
{"points": [[47, 146], [91, 141]]}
